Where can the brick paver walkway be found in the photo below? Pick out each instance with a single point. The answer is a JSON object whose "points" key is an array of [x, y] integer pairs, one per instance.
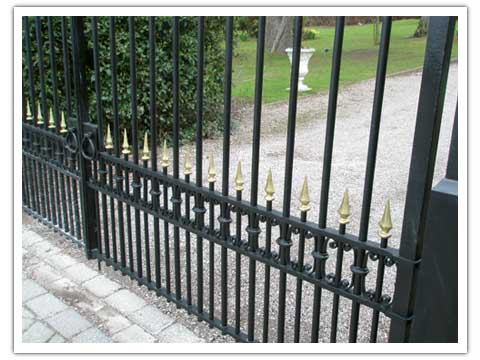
{"points": [[64, 300]]}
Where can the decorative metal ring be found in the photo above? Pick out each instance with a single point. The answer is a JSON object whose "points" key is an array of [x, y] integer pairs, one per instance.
{"points": [[389, 261], [71, 141], [347, 247], [330, 277], [344, 284], [385, 299], [88, 148], [373, 256], [370, 294], [333, 244]]}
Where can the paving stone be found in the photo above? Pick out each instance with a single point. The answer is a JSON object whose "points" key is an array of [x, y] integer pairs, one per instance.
{"points": [[101, 286], [45, 274], [151, 319], [27, 322], [46, 305], [27, 313], [37, 333], [80, 273], [113, 321], [44, 249], [56, 339], [125, 301], [92, 335], [133, 334], [178, 334], [68, 323], [31, 289], [29, 238], [60, 261]]}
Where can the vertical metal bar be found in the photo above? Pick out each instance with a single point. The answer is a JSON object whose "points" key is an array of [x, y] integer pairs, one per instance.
{"points": [[238, 266], [56, 115], [145, 227], [66, 67], [28, 47], [378, 291], [46, 172], [176, 157], [188, 269], [370, 169], [253, 229], [429, 116], [337, 280], [166, 233], [266, 294], [320, 243], [225, 211], [116, 144], [298, 292], [87, 203], [101, 128], [284, 241], [452, 164], [135, 183], [126, 185], [199, 208], [68, 107], [153, 131], [211, 259]]}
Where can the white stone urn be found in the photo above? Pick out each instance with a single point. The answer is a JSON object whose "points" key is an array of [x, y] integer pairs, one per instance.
{"points": [[305, 55]]}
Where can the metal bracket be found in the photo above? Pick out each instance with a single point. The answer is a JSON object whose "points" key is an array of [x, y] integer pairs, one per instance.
{"points": [[89, 143]]}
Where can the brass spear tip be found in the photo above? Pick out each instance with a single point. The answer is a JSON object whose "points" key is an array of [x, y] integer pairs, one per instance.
{"points": [[29, 111], [344, 210], [212, 176], [39, 115], [146, 150], [109, 140], [239, 177], [305, 197], [165, 160], [187, 166], [126, 146], [269, 188], [63, 124], [386, 222], [51, 120]]}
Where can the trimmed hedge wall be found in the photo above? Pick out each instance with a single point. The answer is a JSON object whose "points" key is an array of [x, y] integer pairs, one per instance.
{"points": [[213, 75]]}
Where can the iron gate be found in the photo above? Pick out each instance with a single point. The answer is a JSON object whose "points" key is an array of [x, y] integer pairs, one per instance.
{"points": [[87, 182]]}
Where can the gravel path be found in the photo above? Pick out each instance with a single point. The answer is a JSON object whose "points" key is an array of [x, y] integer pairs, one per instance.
{"points": [[348, 168]]}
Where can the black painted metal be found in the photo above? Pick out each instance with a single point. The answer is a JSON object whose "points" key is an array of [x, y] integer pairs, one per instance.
{"points": [[60, 169]]}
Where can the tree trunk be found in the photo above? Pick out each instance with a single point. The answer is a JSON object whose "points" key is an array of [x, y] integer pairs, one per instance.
{"points": [[422, 27], [279, 33]]}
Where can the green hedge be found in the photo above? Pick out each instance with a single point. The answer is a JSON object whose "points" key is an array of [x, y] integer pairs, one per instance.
{"points": [[213, 76]]}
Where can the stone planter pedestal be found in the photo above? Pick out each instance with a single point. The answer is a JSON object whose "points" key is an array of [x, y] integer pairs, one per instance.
{"points": [[305, 55]]}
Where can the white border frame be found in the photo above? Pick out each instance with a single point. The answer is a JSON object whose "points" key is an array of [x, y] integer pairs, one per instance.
{"points": [[460, 347]]}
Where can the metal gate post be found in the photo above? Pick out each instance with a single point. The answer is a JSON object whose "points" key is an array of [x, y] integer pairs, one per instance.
{"points": [[87, 194], [429, 116], [436, 307]]}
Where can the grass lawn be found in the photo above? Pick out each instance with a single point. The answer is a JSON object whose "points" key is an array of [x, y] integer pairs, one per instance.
{"points": [[359, 60]]}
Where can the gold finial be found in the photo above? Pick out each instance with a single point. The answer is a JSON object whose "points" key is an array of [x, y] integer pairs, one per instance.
{"points": [[239, 178], [269, 189], [39, 115], [126, 146], [51, 120], [63, 124], [386, 222], [109, 140], [165, 161], [187, 167], [212, 177], [344, 210], [304, 197], [146, 150], [29, 111]]}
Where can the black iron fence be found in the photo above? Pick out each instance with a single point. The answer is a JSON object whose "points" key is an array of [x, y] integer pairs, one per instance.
{"points": [[164, 230]]}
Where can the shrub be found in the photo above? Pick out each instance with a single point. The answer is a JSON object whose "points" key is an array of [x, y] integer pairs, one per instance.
{"points": [[308, 34], [246, 25], [213, 75]]}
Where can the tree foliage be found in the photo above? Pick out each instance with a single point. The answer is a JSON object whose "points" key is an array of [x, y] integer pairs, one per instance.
{"points": [[213, 74]]}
